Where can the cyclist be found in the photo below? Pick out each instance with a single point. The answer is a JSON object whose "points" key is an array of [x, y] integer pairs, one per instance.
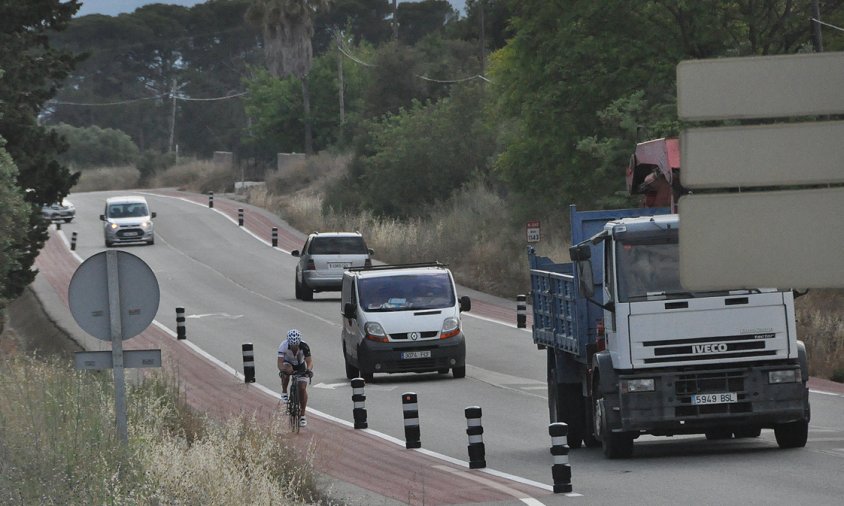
{"points": [[294, 356]]}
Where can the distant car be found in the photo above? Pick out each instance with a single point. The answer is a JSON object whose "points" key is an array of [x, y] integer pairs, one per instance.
{"points": [[323, 259], [127, 220], [59, 211]]}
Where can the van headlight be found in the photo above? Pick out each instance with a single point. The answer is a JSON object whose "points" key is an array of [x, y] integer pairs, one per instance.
{"points": [[113, 226], [451, 327], [375, 332], [146, 225], [636, 385], [785, 376]]}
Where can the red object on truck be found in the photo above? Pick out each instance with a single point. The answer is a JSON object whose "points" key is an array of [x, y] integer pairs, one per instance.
{"points": [[654, 173]]}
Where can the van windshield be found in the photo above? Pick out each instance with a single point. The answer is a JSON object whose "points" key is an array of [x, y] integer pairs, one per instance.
{"points": [[133, 210], [337, 246], [412, 291]]}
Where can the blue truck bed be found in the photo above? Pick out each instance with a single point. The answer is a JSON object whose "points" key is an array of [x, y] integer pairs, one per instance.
{"points": [[562, 319]]}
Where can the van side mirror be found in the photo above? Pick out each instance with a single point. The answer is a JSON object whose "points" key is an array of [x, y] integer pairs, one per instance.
{"points": [[295, 253], [349, 311], [153, 214], [371, 251], [102, 217], [465, 303]]}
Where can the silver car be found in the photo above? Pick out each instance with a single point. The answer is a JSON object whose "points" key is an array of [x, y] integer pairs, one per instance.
{"points": [[59, 211], [323, 259], [127, 220]]}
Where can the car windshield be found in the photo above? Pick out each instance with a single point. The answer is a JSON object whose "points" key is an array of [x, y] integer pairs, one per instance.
{"points": [[411, 291], [134, 210], [337, 246]]}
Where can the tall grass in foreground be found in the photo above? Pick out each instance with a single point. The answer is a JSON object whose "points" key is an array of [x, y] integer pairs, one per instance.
{"points": [[58, 446]]}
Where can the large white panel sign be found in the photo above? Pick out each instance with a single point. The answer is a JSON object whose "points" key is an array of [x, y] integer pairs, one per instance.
{"points": [[783, 239]]}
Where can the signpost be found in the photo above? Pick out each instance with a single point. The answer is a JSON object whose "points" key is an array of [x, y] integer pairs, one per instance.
{"points": [[113, 296], [532, 231], [765, 199]]}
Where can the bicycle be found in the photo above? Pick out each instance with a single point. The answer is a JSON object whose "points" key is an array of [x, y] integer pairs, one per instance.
{"points": [[293, 404]]}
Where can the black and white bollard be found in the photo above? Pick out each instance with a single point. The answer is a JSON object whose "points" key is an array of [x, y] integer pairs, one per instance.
{"points": [[410, 409], [58, 226], [275, 237], [248, 363], [560, 470], [358, 400], [475, 431], [180, 323], [73, 241], [521, 311], [211, 200], [240, 217]]}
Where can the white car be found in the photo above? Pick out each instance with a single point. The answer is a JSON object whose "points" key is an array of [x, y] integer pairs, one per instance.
{"points": [[127, 220], [59, 211]]}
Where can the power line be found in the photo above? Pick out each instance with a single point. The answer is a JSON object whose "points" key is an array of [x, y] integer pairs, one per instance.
{"points": [[130, 101], [827, 24]]}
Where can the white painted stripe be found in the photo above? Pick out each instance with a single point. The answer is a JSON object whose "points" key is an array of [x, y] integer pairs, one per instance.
{"points": [[822, 392], [358, 404], [413, 406], [473, 422], [492, 484], [411, 422], [561, 459], [476, 439], [558, 440], [357, 391]]}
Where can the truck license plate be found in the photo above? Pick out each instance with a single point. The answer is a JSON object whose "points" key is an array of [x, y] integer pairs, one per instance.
{"points": [[415, 354], [724, 398]]}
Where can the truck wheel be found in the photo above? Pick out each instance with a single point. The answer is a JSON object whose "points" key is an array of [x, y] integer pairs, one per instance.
{"points": [[792, 434], [617, 445], [459, 372]]}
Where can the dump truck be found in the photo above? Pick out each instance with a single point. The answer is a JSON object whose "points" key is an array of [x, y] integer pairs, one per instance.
{"points": [[630, 351]]}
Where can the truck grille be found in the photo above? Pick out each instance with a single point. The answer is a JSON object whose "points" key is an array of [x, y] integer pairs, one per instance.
{"points": [[708, 348], [703, 383]]}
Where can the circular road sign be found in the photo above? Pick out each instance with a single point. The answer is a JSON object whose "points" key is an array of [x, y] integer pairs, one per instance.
{"points": [[137, 300]]}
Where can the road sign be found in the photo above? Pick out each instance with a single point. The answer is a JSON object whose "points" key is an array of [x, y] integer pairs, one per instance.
{"points": [[532, 230], [138, 295], [757, 215], [132, 359], [760, 87], [113, 296]]}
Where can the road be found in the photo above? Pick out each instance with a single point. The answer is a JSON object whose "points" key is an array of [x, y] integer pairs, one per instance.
{"points": [[237, 289]]}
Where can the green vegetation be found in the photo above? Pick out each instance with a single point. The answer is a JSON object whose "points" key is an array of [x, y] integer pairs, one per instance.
{"points": [[95, 147], [59, 445], [13, 220]]}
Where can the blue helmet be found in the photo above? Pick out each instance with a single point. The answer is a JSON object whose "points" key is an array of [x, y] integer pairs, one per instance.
{"points": [[294, 337]]}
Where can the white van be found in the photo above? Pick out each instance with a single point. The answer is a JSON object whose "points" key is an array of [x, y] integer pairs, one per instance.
{"points": [[127, 220], [402, 318]]}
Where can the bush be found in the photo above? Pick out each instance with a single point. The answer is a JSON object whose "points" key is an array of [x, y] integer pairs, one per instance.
{"points": [[152, 162], [96, 147], [107, 178], [200, 176]]}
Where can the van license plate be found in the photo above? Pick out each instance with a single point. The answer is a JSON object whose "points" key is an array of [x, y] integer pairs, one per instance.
{"points": [[415, 354], [724, 398]]}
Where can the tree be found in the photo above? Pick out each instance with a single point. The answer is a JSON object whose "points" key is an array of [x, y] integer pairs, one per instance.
{"points": [[32, 71], [13, 224], [287, 27], [418, 19], [96, 147]]}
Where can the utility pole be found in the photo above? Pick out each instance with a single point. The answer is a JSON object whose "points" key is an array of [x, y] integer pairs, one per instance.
{"points": [[395, 19], [817, 40], [172, 116], [483, 38], [341, 86]]}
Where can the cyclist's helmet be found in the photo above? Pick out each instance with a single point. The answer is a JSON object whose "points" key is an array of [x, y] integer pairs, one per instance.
{"points": [[294, 337]]}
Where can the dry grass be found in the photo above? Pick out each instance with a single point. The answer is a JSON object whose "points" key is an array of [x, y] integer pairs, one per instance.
{"points": [[108, 178], [821, 327], [58, 446], [199, 176]]}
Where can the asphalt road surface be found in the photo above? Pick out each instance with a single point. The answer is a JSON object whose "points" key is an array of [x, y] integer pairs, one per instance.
{"points": [[236, 289]]}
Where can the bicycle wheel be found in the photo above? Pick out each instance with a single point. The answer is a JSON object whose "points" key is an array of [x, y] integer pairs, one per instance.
{"points": [[293, 406]]}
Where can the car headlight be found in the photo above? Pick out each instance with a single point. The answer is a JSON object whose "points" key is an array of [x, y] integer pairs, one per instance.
{"points": [[113, 226], [451, 327], [637, 385], [375, 332], [786, 376]]}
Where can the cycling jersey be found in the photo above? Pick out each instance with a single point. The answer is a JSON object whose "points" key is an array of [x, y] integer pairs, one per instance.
{"points": [[297, 360]]}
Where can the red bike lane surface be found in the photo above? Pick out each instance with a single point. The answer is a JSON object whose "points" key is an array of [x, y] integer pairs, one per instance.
{"points": [[342, 453]]}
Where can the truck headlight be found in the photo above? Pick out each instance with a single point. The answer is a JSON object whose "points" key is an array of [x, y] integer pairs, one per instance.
{"points": [[637, 385], [786, 376]]}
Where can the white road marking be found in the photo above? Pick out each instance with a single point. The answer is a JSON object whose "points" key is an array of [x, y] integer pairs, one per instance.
{"points": [[219, 315], [330, 386], [493, 484]]}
